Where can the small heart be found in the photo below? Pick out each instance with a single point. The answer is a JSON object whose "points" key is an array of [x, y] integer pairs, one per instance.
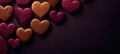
{"points": [[5, 12], [7, 30], [40, 9], [3, 46], [53, 2], [56, 17], [14, 42], [23, 15], [70, 5], [24, 35], [40, 27], [23, 3], [4, 2]]}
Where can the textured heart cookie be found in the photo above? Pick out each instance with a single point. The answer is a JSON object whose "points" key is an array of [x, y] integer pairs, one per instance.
{"points": [[7, 30], [40, 9], [53, 2], [23, 15], [3, 46], [23, 3], [56, 17], [4, 2], [24, 35], [14, 42], [40, 27], [71, 5], [5, 13]]}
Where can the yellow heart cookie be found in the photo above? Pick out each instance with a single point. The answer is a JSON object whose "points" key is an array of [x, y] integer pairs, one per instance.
{"points": [[40, 9]]}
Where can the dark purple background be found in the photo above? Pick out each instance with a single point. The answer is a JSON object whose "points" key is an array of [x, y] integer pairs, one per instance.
{"points": [[93, 28]]}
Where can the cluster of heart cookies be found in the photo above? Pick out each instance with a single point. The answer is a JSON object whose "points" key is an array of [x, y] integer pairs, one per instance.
{"points": [[23, 13]]}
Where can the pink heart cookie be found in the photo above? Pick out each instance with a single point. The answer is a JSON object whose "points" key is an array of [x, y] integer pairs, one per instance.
{"points": [[7, 30], [71, 5], [14, 42], [4, 2], [23, 3], [3, 46], [23, 15], [56, 17]]}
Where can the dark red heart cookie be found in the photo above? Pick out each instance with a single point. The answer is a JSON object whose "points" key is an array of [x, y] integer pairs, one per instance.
{"points": [[23, 3], [3, 46], [14, 42], [4, 2]]}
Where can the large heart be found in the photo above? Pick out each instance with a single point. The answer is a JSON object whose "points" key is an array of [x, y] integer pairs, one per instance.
{"points": [[56, 17], [4, 2], [5, 13], [23, 3], [23, 15], [40, 27], [40, 9], [24, 35], [53, 2], [3, 46], [14, 42], [71, 5], [7, 30]]}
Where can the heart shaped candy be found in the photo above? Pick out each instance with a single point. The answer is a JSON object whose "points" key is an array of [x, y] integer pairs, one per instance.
{"points": [[14, 42], [3, 46], [56, 17], [24, 35], [7, 30], [23, 15], [5, 13], [23, 3], [40, 27], [40, 9], [4, 2], [70, 6], [53, 2]]}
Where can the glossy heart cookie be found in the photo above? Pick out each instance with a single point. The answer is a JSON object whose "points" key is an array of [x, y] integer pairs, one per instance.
{"points": [[71, 5], [5, 12], [40, 27], [40, 9], [7, 30], [14, 42], [24, 34], [23, 15], [23, 3], [4, 2], [53, 2], [3, 46], [56, 16]]}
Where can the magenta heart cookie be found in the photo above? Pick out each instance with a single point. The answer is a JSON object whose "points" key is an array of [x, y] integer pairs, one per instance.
{"points": [[3, 46], [71, 5], [23, 15], [7, 30], [4, 2], [23, 3], [56, 16], [14, 42]]}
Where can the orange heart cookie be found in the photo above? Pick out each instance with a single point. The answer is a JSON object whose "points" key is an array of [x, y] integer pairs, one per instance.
{"points": [[53, 2], [24, 35], [5, 12], [40, 27], [40, 9]]}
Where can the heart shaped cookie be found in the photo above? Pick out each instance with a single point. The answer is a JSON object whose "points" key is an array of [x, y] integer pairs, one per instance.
{"points": [[71, 5], [23, 3], [56, 17], [53, 2], [14, 42], [24, 35], [7, 30], [5, 12], [40, 27], [4, 2], [3, 46], [40, 9], [23, 15]]}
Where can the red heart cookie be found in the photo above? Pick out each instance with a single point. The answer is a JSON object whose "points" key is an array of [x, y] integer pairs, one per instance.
{"points": [[40, 27], [53, 2], [70, 5], [3, 46], [4, 2], [14, 42], [24, 35], [5, 13]]}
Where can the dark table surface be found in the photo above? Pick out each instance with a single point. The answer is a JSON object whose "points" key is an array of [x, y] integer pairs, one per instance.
{"points": [[94, 28]]}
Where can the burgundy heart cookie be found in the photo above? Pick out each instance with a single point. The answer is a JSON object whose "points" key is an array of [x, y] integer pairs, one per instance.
{"points": [[3, 46], [23, 3], [56, 17], [71, 6], [23, 15], [4, 2], [14, 42], [7, 30]]}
